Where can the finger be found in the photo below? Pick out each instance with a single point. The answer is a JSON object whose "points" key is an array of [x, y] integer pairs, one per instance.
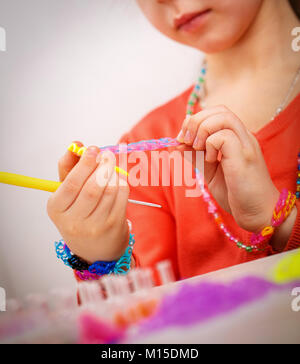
{"points": [[67, 162], [198, 118], [191, 155], [210, 171], [182, 132], [191, 129], [107, 201], [230, 121], [226, 142], [219, 122], [209, 168], [92, 191], [120, 207], [68, 191]]}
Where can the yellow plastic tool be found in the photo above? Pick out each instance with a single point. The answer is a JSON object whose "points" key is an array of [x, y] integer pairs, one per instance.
{"points": [[49, 186], [35, 183], [79, 151], [29, 182]]}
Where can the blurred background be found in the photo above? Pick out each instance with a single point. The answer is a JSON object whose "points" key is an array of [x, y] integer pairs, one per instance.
{"points": [[73, 70]]}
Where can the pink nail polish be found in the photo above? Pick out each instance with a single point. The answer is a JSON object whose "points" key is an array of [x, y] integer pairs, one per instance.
{"points": [[180, 136], [92, 151], [196, 143], [188, 137]]}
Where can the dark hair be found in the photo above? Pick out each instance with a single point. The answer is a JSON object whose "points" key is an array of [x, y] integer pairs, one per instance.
{"points": [[295, 4]]}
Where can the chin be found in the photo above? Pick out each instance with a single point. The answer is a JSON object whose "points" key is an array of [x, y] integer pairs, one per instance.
{"points": [[210, 47], [214, 43]]}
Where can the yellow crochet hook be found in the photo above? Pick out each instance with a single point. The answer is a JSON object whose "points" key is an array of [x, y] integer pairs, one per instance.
{"points": [[79, 151], [28, 182], [49, 186]]}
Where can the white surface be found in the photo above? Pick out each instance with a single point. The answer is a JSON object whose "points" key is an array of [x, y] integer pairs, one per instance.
{"points": [[73, 69], [269, 320]]}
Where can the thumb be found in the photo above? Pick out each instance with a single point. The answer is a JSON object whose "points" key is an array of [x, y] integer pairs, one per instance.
{"points": [[67, 163], [209, 169]]}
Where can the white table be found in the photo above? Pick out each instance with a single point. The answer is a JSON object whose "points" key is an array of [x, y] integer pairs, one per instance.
{"points": [[270, 320]]}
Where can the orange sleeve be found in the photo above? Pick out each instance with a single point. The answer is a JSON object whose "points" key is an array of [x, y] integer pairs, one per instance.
{"points": [[294, 241]]}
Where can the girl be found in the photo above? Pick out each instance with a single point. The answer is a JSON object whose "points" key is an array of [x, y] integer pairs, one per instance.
{"points": [[251, 144]]}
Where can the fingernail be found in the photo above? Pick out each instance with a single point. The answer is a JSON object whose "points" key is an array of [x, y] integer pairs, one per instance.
{"points": [[196, 143], [188, 137], [180, 136], [92, 151]]}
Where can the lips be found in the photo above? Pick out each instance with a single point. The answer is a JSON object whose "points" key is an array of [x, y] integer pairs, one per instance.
{"points": [[186, 18]]}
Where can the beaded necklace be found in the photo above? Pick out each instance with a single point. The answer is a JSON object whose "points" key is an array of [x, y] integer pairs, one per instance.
{"points": [[197, 96]]}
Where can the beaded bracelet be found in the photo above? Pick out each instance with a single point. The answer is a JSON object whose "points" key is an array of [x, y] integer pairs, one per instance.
{"points": [[94, 271], [258, 241], [281, 212]]}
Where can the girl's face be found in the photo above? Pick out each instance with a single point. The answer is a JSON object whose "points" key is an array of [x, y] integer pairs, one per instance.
{"points": [[208, 25]]}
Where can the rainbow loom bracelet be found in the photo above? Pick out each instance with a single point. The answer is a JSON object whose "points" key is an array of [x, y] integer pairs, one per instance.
{"points": [[99, 268], [281, 212], [144, 145]]}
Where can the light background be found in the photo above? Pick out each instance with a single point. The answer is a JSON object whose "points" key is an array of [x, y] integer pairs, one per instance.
{"points": [[74, 70]]}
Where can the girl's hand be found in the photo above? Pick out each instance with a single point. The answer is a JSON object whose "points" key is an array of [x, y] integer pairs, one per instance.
{"points": [[235, 170], [91, 216]]}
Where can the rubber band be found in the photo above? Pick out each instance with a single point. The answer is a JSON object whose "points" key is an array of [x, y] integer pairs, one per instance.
{"points": [[99, 268], [144, 145]]}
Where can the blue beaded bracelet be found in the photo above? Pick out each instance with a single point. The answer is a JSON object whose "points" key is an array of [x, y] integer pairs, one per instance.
{"points": [[99, 268]]}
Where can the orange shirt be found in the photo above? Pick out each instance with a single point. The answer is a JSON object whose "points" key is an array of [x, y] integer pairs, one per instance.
{"points": [[182, 230]]}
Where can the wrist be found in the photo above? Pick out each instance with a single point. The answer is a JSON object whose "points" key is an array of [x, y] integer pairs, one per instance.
{"points": [[283, 219], [110, 246], [265, 218], [85, 271], [283, 232]]}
